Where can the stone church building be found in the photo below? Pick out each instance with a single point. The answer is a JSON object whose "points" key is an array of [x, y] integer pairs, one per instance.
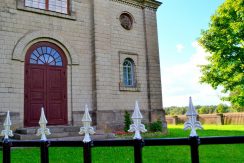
{"points": [[64, 54]]}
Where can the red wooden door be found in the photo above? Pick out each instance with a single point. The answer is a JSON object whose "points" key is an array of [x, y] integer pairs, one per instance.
{"points": [[45, 84]]}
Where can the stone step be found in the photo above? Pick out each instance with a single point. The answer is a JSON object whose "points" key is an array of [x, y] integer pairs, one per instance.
{"points": [[62, 136], [34, 137], [53, 129], [26, 131], [57, 132]]}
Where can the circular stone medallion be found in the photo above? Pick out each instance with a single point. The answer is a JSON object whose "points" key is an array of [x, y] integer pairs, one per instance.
{"points": [[126, 21]]}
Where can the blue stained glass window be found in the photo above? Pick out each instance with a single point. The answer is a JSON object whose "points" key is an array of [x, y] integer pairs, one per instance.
{"points": [[128, 72], [46, 55]]}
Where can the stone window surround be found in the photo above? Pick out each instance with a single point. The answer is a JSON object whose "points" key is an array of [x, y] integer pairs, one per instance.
{"points": [[71, 16], [133, 56]]}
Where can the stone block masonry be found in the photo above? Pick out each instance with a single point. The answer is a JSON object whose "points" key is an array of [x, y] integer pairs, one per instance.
{"points": [[95, 45]]}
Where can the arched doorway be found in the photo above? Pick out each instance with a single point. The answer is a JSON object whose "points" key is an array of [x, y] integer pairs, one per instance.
{"points": [[45, 84]]}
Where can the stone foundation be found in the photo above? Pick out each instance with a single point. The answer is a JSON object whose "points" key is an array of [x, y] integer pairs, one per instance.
{"points": [[113, 120]]}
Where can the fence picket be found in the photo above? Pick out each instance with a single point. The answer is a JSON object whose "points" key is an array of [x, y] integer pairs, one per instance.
{"points": [[87, 152], [44, 151], [6, 151], [138, 150], [194, 143]]}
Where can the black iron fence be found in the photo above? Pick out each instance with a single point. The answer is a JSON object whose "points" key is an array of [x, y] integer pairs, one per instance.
{"points": [[193, 142]]}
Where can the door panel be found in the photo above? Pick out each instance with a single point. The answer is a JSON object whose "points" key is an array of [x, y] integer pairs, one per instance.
{"points": [[56, 96], [37, 78], [56, 114], [37, 96], [35, 112], [35, 93]]}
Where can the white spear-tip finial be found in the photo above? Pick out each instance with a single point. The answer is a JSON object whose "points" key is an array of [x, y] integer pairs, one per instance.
{"points": [[191, 110], [86, 129], [7, 124], [192, 122], [86, 117], [137, 114], [43, 130], [137, 126]]}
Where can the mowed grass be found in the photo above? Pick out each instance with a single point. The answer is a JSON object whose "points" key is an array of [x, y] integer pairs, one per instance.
{"points": [[158, 154]]}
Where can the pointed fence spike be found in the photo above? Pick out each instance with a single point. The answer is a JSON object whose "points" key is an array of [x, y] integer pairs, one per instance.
{"points": [[7, 124], [43, 130], [7, 120], [137, 126], [86, 116], [86, 129], [43, 119], [191, 110], [192, 122], [137, 114]]}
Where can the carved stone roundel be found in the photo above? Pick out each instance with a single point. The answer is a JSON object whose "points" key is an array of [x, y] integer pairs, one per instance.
{"points": [[126, 21]]}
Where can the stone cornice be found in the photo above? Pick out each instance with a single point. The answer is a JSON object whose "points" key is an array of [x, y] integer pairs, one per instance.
{"points": [[152, 4]]}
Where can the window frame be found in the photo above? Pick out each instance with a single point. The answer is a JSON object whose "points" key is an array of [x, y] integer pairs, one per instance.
{"points": [[128, 72], [47, 7], [46, 44], [46, 55]]}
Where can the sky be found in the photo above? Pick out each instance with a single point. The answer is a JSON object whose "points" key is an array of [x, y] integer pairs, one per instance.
{"points": [[179, 26]]}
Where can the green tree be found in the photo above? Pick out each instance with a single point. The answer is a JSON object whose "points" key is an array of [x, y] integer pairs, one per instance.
{"points": [[206, 109], [235, 108], [203, 110], [224, 40], [175, 110], [221, 108]]}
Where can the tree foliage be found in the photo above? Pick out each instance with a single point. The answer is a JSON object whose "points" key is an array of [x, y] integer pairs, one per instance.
{"points": [[224, 40], [221, 108], [203, 109], [174, 110], [207, 109]]}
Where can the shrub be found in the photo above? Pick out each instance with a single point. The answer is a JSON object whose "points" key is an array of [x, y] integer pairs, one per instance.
{"points": [[156, 126], [127, 121]]}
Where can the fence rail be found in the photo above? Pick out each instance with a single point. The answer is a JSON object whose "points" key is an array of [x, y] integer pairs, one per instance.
{"points": [[138, 144]]}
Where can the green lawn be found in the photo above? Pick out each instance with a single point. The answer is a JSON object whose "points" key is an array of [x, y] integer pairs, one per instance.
{"points": [[174, 154]]}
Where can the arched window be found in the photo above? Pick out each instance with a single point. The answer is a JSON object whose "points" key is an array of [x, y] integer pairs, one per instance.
{"points": [[46, 55], [128, 72]]}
